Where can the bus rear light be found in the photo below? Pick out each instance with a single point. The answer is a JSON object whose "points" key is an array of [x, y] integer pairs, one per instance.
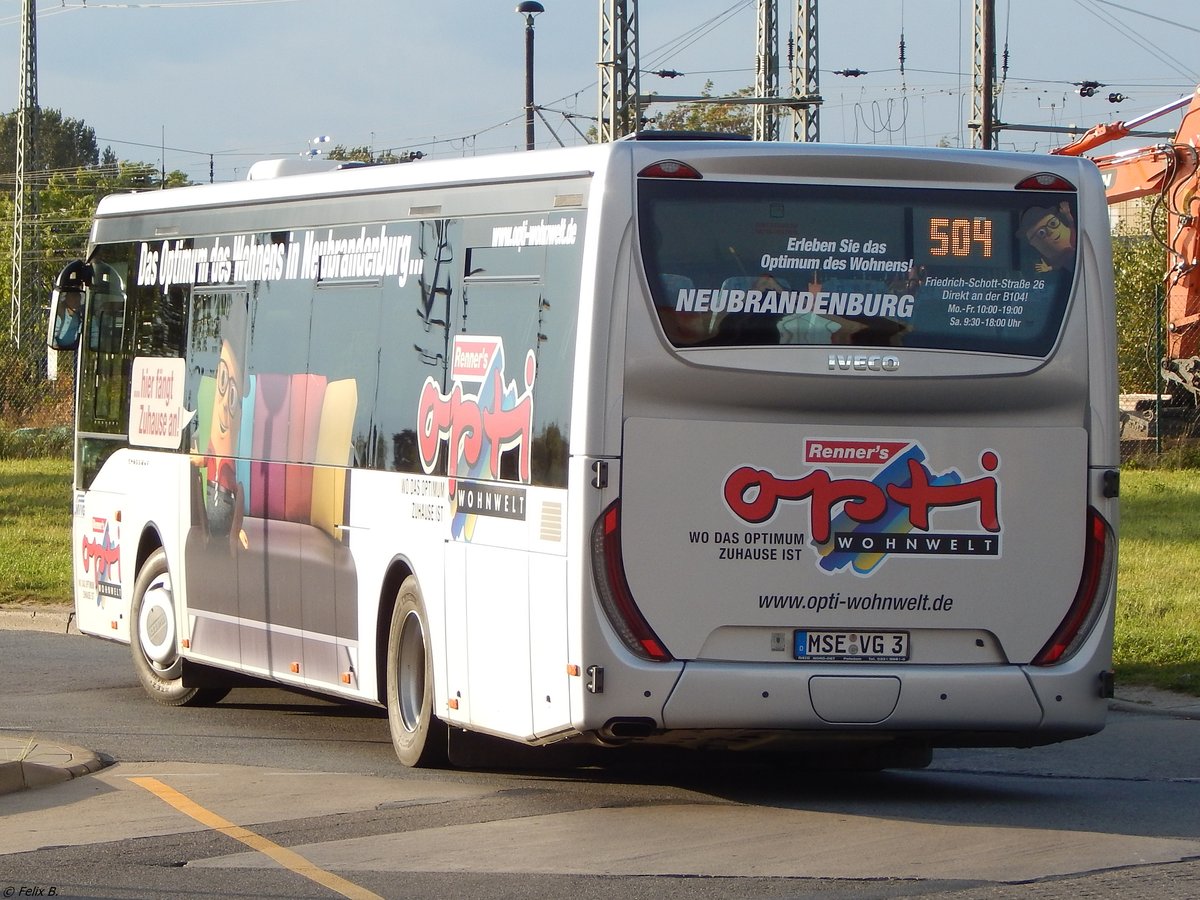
{"points": [[1093, 585], [1045, 181], [669, 168], [608, 569]]}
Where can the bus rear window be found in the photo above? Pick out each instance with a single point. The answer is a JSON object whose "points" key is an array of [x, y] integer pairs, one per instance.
{"points": [[741, 264]]}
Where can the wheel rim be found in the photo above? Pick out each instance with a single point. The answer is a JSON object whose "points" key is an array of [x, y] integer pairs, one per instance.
{"points": [[411, 672], [156, 624]]}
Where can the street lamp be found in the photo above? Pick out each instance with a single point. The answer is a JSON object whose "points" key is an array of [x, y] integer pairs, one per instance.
{"points": [[529, 9]]}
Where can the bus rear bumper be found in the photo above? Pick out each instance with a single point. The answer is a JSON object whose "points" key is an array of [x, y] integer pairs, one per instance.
{"points": [[1017, 704]]}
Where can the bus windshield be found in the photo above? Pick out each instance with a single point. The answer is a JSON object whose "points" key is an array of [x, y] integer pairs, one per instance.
{"points": [[753, 264]]}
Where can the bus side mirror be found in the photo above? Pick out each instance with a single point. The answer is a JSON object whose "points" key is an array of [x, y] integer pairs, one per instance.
{"points": [[66, 305]]}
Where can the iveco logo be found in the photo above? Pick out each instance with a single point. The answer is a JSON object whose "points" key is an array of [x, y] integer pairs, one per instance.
{"points": [[862, 362]]}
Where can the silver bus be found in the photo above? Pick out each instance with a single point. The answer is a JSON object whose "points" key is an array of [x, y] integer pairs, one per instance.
{"points": [[703, 442]]}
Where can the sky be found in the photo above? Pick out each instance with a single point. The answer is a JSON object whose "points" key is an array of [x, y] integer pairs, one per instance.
{"points": [[181, 82]]}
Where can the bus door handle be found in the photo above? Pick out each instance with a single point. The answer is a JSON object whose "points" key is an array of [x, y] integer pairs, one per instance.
{"points": [[600, 474]]}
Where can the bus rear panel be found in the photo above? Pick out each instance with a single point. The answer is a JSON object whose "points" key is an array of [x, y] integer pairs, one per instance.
{"points": [[868, 462]]}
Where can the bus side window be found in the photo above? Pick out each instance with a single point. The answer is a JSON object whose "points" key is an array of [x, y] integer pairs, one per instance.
{"points": [[106, 326], [160, 322]]}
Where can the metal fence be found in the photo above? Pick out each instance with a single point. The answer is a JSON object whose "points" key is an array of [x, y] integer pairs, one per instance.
{"points": [[36, 387], [1155, 426], [1162, 419]]}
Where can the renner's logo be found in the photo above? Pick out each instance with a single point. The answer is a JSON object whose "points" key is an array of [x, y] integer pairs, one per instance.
{"points": [[863, 362], [471, 358], [860, 452]]}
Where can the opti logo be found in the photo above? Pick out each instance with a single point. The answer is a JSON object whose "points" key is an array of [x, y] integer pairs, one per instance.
{"points": [[101, 556], [861, 521], [483, 416], [863, 362]]}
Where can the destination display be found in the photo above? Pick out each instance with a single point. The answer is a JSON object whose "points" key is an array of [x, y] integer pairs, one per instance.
{"points": [[752, 265]]}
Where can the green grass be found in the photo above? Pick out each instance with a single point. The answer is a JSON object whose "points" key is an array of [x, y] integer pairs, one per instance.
{"points": [[1158, 608], [1158, 588], [35, 532]]}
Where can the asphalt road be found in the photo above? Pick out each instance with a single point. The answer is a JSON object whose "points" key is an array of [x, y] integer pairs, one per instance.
{"points": [[278, 794]]}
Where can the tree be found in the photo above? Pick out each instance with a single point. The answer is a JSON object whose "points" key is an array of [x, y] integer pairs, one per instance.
{"points": [[67, 199], [363, 154], [66, 204], [62, 143], [722, 118], [1139, 267]]}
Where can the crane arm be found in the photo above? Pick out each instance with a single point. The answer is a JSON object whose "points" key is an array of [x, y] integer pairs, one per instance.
{"points": [[1106, 132], [1172, 172], [1138, 173], [1093, 138]]}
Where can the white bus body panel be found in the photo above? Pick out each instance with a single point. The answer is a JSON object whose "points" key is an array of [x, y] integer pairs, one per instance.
{"points": [[520, 645], [135, 492]]}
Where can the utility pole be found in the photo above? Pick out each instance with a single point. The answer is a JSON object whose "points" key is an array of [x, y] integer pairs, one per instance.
{"points": [[529, 9], [24, 200], [620, 111], [983, 77], [766, 71], [806, 124]]}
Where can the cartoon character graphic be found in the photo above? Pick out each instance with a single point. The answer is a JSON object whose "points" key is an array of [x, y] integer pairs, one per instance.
{"points": [[270, 503], [223, 501], [1051, 232]]}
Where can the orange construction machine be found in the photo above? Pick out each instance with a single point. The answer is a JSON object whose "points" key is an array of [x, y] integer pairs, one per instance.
{"points": [[1169, 171]]}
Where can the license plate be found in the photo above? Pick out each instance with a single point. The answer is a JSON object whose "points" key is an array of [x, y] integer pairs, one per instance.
{"points": [[851, 646]]}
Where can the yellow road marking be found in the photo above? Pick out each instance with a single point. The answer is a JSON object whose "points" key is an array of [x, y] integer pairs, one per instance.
{"points": [[285, 857]]}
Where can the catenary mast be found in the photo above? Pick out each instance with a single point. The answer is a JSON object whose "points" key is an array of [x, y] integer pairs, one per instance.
{"points": [[766, 71], [25, 195], [620, 112], [620, 101], [806, 125]]}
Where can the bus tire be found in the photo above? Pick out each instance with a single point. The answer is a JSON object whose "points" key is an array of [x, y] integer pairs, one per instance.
{"points": [[153, 642], [417, 734]]}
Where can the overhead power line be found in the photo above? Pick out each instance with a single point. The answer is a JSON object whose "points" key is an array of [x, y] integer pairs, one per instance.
{"points": [[79, 5], [1145, 43]]}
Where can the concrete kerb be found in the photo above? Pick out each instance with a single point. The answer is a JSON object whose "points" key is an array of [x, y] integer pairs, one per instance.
{"points": [[1155, 702], [53, 619], [28, 762]]}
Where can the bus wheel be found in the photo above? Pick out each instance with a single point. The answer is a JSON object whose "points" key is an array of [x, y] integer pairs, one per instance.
{"points": [[417, 734], [152, 639]]}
